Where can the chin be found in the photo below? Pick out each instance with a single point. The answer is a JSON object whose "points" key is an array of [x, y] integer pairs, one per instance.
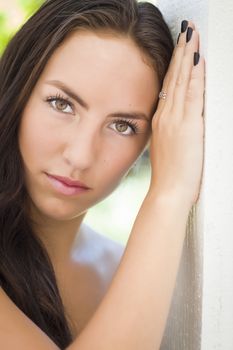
{"points": [[58, 210]]}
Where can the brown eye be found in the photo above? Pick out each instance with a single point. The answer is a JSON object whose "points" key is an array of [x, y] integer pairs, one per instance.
{"points": [[121, 127], [126, 127], [60, 104]]}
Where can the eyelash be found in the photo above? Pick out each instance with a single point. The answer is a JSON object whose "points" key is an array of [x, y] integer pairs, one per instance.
{"points": [[131, 123]]}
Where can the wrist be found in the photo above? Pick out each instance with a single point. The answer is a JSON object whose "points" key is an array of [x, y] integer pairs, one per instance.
{"points": [[172, 198]]}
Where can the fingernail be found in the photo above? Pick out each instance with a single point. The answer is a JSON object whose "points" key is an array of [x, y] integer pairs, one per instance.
{"points": [[189, 34], [196, 58], [178, 38], [184, 25]]}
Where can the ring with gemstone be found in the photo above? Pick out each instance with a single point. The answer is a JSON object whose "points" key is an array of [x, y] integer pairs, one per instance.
{"points": [[162, 95]]}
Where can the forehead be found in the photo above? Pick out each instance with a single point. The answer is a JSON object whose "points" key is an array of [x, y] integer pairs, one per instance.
{"points": [[103, 62]]}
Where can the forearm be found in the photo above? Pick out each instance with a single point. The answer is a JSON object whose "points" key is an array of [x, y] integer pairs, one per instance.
{"points": [[17, 331], [134, 311]]}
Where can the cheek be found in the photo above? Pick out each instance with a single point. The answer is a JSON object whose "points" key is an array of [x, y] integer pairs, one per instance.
{"points": [[122, 163], [119, 165], [126, 155], [115, 165], [36, 140]]}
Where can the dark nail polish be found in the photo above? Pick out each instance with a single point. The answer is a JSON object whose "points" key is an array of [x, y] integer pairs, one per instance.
{"points": [[196, 58], [178, 38], [189, 34], [184, 25]]}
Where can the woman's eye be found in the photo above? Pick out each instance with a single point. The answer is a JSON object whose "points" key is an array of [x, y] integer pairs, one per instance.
{"points": [[60, 104], [126, 127]]}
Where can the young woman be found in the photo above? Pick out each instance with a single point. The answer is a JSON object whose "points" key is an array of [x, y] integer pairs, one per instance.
{"points": [[79, 103]]}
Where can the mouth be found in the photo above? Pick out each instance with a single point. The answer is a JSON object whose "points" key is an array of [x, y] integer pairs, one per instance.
{"points": [[65, 188]]}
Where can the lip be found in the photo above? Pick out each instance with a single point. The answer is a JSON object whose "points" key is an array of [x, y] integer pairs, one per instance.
{"points": [[68, 181], [66, 186]]}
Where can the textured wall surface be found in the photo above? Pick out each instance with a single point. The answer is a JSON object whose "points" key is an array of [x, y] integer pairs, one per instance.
{"points": [[201, 314], [217, 320]]}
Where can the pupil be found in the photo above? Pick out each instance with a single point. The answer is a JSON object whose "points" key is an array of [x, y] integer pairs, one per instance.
{"points": [[122, 127], [61, 104]]}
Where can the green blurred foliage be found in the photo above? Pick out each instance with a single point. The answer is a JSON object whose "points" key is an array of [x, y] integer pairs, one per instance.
{"points": [[27, 7], [5, 32]]}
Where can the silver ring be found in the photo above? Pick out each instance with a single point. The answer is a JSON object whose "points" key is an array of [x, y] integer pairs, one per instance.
{"points": [[162, 95]]}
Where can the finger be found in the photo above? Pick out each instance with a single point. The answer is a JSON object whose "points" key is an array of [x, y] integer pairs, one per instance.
{"points": [[173, 68], [183, 78], [194, 101], [181, 42]]}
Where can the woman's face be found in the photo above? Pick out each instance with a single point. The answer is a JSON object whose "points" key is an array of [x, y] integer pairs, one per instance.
{"points": [[92, 143]]}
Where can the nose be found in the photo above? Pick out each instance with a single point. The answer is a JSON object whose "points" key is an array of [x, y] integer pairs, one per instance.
{"points": [[81, 147]]}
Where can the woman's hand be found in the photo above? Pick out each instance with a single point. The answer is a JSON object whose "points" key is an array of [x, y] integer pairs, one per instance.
{"points": [[176, 149]]}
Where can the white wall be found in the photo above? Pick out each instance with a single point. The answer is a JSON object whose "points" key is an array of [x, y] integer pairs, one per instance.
{"points": [[217, 315], [201, 315]]}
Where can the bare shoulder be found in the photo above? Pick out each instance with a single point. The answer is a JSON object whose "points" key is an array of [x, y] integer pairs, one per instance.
{"points": [[105, 247], [96, 259], [102, 252]]}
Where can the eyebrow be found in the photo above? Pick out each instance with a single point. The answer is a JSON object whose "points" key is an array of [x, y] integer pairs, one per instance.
{"points": [[77, 98]]}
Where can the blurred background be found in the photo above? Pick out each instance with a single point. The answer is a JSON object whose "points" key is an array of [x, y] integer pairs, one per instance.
{"points": [[114, 216]]}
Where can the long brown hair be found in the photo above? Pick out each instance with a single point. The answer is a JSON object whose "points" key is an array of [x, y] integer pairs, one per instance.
{"points": [[26, 272]]}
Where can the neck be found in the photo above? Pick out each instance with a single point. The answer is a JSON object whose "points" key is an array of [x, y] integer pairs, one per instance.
{"points": [[58, 236]]}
